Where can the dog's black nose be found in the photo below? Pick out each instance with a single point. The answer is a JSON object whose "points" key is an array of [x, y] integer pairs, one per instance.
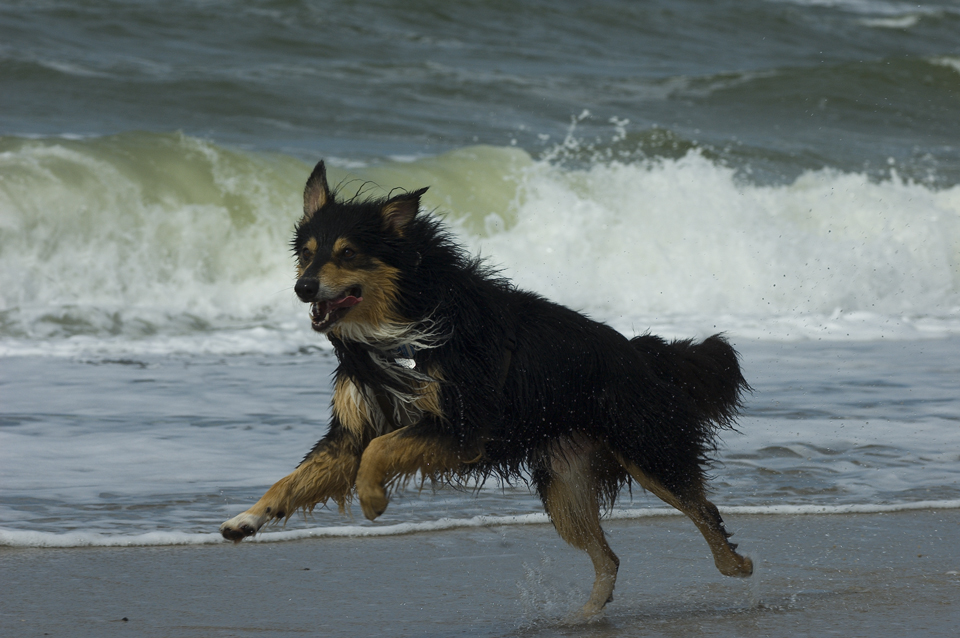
{"points": [[307, 288]]}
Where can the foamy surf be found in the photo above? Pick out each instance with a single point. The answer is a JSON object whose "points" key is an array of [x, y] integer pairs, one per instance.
{"points": [[687, 237], [183, 246], [16, 538]]}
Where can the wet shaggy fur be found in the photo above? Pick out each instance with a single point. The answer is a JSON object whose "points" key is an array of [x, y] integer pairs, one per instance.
{"points": [[446, 370]]}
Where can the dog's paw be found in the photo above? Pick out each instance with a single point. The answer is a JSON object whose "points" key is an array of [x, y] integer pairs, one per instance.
{"points": [[590, 612], [373, 501], [241, 526], [740, 566]]}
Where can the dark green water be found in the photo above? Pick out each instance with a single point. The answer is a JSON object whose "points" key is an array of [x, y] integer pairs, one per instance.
{"points": [[778, 86]]}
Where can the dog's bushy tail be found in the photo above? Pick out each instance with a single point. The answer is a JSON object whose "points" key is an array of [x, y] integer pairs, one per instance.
{"points": [[707, 372]]}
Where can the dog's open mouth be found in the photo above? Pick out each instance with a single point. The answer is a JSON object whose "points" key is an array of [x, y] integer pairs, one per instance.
{"points": [[324, 314]]}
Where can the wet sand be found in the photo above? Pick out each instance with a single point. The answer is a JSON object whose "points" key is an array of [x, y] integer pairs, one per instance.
{"points": [[847, 575]]}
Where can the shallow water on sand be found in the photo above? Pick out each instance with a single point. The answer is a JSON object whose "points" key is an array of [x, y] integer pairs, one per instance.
{"points": [[883, 575], [160, 450]]}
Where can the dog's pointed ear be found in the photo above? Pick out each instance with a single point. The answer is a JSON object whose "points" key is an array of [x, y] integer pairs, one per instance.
{"points": [[398, 211], [316, 194]]}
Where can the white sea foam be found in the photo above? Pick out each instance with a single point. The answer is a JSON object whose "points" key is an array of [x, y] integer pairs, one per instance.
{"points": [[282, 338], [187, 251], [832, 253], [870, 7], [951, 62], [899, 22], [16, 538]]}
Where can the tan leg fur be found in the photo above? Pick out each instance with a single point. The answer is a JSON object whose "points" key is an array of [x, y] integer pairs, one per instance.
{"points": [[397, 455], [328, 473], [705, 516], [572, 502]]}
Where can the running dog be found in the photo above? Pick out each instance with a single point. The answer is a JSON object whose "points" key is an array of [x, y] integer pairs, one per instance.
{"points": [[447, 370]]}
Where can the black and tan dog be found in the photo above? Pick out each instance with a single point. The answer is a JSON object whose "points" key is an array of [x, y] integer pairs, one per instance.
{"points": [[448, 370]]}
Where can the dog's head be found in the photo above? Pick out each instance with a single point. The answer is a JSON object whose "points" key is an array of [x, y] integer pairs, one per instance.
{"points": [[348, 258]]}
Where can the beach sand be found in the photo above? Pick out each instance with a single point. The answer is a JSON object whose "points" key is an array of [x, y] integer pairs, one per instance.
{"points": [[846, 575]]}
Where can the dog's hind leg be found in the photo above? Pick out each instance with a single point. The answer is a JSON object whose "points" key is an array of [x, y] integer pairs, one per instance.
{"points": [[704, 515], [568, 486], [328, 472]]}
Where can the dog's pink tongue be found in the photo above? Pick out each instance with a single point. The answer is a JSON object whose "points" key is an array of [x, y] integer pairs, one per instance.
{"points": [[346, 302]]}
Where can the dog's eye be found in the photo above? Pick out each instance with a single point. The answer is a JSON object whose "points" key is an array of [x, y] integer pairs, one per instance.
{"points": [[348, 254], [305, 255]]}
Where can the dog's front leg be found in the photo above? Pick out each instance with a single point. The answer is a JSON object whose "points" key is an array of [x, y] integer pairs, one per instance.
{"points": [[327, 473], [399, 455]]}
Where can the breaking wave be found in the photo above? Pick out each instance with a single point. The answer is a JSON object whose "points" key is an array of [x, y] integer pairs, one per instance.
{"points": [[157, 241]]}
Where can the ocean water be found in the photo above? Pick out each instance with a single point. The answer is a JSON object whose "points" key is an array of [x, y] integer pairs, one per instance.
{"points": [[785, 172]]}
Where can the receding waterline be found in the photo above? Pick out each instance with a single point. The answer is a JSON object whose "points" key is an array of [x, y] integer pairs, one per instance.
{"points": [[16, 538]]}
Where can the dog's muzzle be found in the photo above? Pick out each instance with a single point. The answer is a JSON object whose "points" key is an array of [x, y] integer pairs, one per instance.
{"points": [[326, 309]]}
